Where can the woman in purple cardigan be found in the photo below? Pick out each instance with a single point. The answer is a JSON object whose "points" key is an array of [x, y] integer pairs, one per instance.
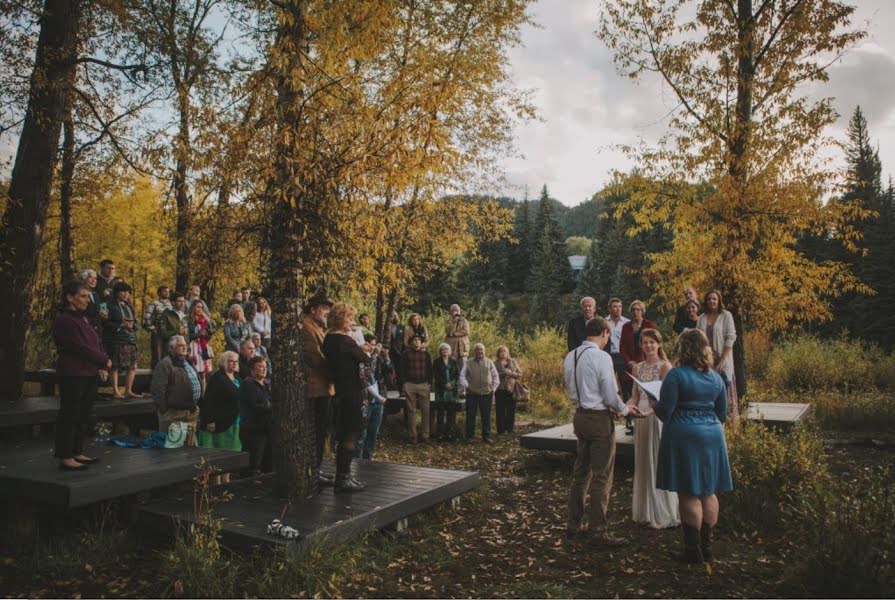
{"points": [[81, 358]]}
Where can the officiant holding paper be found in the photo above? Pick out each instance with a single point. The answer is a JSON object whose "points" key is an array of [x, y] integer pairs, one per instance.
{"points": [[693, 452], [593, 391], [650, 506]]}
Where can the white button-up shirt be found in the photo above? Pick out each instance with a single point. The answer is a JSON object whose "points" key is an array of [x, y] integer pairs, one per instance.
{"points": [[592, 385], [616, 328]]}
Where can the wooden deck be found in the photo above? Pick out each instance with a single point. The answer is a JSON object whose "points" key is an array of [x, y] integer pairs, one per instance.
{"points": [[562, 438], [47, 380], [29, 472], [40, 410], [394, 493]]}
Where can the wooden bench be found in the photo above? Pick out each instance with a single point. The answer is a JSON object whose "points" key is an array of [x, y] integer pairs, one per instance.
{"points": [[48, 380]]}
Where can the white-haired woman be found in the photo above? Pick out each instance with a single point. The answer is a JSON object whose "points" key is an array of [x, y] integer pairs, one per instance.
{"points": [[236, 329], [219, 409], [509, 372], [445, 378]]}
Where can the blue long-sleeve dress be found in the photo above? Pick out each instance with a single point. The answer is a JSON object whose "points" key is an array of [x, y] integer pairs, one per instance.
{"points": [[692, 452]]}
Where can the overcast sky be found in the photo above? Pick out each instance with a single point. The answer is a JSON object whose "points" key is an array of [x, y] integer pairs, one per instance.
{"points": [[586, 107]]}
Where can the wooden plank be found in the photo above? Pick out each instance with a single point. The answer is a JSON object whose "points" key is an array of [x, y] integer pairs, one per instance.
{"points": [[28, 471], [40, 410], [47, 380], [336, 517], [562, 438]]}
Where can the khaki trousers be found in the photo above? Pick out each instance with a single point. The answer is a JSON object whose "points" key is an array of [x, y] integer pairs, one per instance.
{"points": [[417, 397], [594, 467]]}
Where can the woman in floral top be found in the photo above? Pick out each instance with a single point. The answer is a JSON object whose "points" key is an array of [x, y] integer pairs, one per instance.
{"points": [[445, 374]]}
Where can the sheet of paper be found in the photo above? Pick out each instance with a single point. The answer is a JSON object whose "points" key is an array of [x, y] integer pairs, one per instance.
{"points": [[650, 387]]}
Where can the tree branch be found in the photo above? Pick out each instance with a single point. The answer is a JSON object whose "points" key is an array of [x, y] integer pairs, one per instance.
{"points": [[105, 63]]}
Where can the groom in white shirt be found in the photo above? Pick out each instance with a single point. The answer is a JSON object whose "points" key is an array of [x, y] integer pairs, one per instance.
{"points": [[592, 389]]}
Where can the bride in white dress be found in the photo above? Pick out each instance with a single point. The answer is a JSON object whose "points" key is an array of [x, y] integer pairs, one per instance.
{"points": [[656, 508]]}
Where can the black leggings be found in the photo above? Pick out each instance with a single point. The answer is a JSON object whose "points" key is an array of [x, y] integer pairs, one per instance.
{"points": [[349, 422], [323, 415], [76, 394], [506, 411], [256, 441]]}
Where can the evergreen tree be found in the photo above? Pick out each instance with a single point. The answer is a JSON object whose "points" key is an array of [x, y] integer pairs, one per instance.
{"points": [[589, 281], [522, 250], [551, 275]]}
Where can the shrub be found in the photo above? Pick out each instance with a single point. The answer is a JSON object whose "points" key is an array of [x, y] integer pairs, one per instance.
{"points": [[772, 474], [851, 545], [808, 363], [543, 372], [758, 351]]}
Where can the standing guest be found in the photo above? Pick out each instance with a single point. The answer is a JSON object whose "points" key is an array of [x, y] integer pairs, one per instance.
{"points": [[446, 385], [219, 409], [682, 315], [246, 353], [88, 277], [415, 327], [509, 372], [364, 322], [591, 387], [388, 377], [152, 312], [261, 323], [344, 358], [81, 359], [616, 321], [366, 443], [416, 373], [120, 339], [255, 417], [693, 453], [318, 386], [199, 330], [173, 320], [260, 350], [175, 387], [630, 338], [480, 379], [651, 506], [236, 298], [246, 295], [691, 316], [236, 329], [106, 280], [193, 295], [249, 310], [456, 334], [575, 328], [717, 324], [396, 343]]}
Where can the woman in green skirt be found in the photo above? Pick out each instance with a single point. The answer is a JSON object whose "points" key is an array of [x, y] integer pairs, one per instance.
{"points": [[219, 409]]}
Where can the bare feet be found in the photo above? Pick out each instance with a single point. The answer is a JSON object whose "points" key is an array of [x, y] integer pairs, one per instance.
{"points": [[133, 395]]}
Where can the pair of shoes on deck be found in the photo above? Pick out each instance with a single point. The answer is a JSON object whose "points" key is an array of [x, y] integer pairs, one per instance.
{"points": [[347, 483], [280, 529]]}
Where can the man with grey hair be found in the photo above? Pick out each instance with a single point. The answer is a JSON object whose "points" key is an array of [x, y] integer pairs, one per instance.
{"points": [[88, 276], [575, 329], [175, 387], [480, 380]]}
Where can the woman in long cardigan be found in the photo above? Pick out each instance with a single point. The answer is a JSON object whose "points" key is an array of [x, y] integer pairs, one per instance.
{"points": [[81, 359], [717, 324]]}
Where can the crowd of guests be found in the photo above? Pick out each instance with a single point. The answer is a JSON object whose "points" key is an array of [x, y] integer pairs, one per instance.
{"points": [[681, 459]]}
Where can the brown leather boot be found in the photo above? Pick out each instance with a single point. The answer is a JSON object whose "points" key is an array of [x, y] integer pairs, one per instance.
{"points": [[705, 543]]}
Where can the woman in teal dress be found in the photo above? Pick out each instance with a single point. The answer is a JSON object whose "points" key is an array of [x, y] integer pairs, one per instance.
{"points": [[693, 453], [219, 409]]}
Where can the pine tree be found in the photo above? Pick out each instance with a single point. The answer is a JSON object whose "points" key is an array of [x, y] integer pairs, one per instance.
{"points": [[589, 281], [551, 275], [522, 250]]}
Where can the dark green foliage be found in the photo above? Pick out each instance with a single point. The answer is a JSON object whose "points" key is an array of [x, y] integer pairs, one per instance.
{"points": [[551, 275], [867, 316]]}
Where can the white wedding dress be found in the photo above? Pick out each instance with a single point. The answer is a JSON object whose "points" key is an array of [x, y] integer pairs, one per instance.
{"points": [[657, 508]]}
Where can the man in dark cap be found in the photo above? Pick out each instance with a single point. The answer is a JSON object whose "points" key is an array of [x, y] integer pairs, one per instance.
{"points": [[318, 387]]}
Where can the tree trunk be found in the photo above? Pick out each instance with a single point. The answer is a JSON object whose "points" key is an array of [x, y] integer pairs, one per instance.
{"points": [[293, 433], [67, 173], [22, 225], [181, 195]]}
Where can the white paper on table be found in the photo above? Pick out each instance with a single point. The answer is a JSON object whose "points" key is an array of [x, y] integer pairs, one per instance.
{"points": [[650, 387]]}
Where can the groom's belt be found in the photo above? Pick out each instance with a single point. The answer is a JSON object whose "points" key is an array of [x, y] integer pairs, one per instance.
{"points": [[592, 410]]}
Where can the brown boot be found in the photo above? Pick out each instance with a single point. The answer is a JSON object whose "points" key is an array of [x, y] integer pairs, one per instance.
{"points": [[705, 543]]}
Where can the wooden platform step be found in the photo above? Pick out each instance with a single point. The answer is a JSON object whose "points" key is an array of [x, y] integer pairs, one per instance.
{"points": [[394, 493], [41, 410], [29, 472]]}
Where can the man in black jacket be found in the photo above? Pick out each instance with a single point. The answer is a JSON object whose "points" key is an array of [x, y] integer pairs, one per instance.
{"points": [[575, 329]]}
